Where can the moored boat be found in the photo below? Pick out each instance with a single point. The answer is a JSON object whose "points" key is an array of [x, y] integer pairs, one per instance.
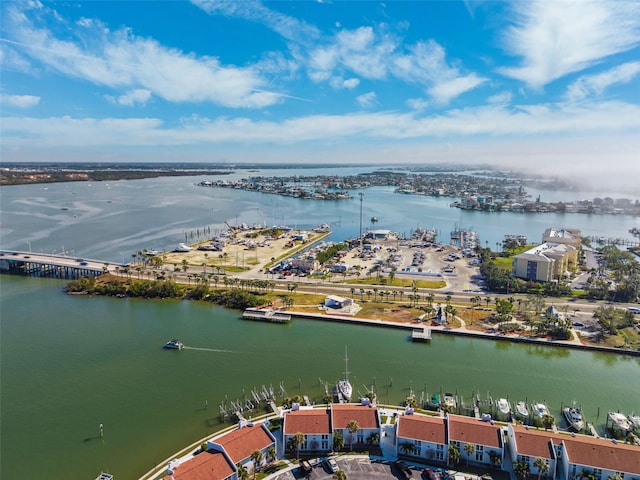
{"points": [[573, 416], [522, 411], [634, 423], [345, 390], [503, 409], [619, 423], [434, 401], [174, 344], [449, 402]]}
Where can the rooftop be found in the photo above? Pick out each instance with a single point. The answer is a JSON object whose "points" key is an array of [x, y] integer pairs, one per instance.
{"points": [[241, 443], [314, 421], [422, 427]]}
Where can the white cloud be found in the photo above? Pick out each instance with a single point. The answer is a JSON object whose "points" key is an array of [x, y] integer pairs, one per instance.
{"points": [[555, 38], [417, 104], [131, 98], [19, 101], [587, 119], [340, 83], [500, 98], [367, 100], [444, 92], [122, 60], [596, 84]]}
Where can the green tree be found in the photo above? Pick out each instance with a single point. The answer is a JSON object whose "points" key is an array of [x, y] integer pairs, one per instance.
{"points": [[454, 455], [272, 453], [352, 428], [338, 441], [297, 441], [521, 469], [243, 474], [340, 475], [469, 449], [257, 458], [548, 421], [407, 448], [542, 466]]}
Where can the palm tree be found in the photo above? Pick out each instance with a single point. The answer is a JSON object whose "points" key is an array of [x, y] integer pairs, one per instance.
{"points": [[272, 453], [243, 474], [548, 421], [543, 467], [374, 438], [454, 454], [340, 475], [469, 449], [338, 441], [297, 441], [521, 469], [353, 428], [257, 458], [407, 448]]}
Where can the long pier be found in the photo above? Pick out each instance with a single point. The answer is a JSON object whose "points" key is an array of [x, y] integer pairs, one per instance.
{"points": [[53, 266]]}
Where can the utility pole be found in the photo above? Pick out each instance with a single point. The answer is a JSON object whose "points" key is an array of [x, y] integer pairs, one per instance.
{"points": [[361, 195]]}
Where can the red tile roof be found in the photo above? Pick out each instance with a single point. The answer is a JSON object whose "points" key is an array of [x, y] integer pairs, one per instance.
{"points": [[205, 466], [422, 427], [367, 417], [241, 443], [534, 443], [584, 450], [314, 421], [470, 430]]}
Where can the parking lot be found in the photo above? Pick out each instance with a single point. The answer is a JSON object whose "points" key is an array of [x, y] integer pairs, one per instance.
{"points": [[357, 468]]}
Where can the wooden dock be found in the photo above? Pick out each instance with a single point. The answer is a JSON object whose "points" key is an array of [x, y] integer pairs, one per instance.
{"points": [[266, 315]]}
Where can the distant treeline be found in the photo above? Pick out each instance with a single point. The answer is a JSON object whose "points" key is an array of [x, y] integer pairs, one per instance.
{"points": [[22, 177]]}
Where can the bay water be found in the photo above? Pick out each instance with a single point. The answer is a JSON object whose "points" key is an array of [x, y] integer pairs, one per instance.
{"points": [[71, 363]]}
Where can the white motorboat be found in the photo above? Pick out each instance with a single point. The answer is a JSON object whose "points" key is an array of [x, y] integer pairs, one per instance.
{"points": [[522, 412], [620, 422], [345, 390], [174, 344], [183, 248], [504, 409], [634, 422], [449, 402], [573, 416]]}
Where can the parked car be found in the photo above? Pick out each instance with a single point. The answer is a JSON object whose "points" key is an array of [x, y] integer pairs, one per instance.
{"points": [[429, 474], [332, 465]]}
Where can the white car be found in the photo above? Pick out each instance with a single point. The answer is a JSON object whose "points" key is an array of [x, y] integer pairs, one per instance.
{"points": [[333, 466]]}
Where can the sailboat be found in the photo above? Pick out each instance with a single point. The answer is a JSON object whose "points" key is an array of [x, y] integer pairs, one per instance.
{"points": [[345, 389]]}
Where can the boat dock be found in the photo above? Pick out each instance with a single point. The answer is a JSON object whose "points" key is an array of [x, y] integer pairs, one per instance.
{"points": [[266, 315], [421, 334]]}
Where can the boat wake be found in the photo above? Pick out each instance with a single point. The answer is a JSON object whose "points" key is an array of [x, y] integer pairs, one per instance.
{"points": [[208, 349]]}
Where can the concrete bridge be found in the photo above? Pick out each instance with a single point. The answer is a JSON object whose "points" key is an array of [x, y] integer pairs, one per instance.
{"points": [[53, 266]]}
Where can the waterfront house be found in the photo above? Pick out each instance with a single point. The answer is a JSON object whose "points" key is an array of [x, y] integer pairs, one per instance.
{"points": [[423, 438], [209, 465], [314, 424], [529, 445], [486, 439], [581, 454], [367, 418], [240, 444], [337, 302]]}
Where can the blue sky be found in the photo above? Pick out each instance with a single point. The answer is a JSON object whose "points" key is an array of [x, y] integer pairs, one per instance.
{"points": [[546, 85]]}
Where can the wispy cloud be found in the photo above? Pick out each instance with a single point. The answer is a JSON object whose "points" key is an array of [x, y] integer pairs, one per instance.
{"points": [[596, 84], [19, 101], [367, 100], [500, 98], [122, 60], [134, 97], [525, 121], [555, 38]]}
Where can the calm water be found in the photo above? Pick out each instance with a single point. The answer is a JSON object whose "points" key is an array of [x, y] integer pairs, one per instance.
{"points": [[71, 363]]}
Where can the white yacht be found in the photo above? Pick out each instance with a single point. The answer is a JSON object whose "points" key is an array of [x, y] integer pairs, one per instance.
{"points": [[183, 248], [345, 390], [539, 411], [573, 416], [619, 422], [522, 412], [504, 409]]}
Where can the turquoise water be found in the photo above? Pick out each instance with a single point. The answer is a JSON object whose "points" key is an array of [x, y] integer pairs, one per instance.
{"points": [[70, 363]]}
